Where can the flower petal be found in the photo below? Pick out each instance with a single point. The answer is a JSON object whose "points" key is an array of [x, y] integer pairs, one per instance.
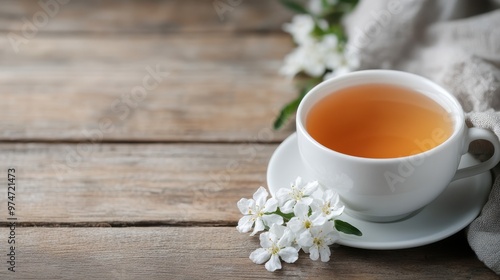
{"points": [[260, 255], [271, 205], [291, 65], [289, 254], [245, 224], [318, 194], [336, 212], [334, 198], [307, 200], [317, 218], [331, 238], [310, 188], [329, 195], [288, 206], [266, 240], [297, 182], [326, 229], [273, 219], [244, 205], [273, 263], [277, 230], [259, 226], [295, 224], [286, 238], [314, 253], [305, 239], [325, 253], [260, 197], [301, 211], [283, 195]]}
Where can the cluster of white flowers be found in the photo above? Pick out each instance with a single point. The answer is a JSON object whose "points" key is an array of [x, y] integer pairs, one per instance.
{"points": [[298, 217], [316, 56]]}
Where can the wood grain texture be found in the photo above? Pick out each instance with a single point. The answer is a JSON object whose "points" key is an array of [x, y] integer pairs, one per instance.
{"points": [[184, 253], [171, 203], [139, 16], [215, 87], [133, 183]]}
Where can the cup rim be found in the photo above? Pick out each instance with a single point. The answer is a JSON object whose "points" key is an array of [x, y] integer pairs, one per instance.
{"points": [[458, 126]]}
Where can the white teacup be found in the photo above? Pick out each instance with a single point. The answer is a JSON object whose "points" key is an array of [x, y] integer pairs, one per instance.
{"points": [[367, 185]]}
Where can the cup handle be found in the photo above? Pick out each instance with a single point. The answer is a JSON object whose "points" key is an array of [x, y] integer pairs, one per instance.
{"points": [[479, 134]]}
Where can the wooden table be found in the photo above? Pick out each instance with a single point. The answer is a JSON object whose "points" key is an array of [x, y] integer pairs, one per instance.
{"points": [[134, 127]]}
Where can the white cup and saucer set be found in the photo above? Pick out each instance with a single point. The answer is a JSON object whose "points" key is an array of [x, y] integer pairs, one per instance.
{"points": [[396, 202]]}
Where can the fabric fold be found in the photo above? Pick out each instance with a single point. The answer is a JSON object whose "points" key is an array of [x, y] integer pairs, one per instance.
{"points": [[455, 43]]}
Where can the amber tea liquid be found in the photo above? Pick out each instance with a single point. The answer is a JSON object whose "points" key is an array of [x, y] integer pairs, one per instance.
{"points": [[378, 121]]}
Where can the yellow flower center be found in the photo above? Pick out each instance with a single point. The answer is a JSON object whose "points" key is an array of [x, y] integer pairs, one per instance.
{"points": [[297, 195], [275, 250], [307, 224], [326, 208], [317, 241]]}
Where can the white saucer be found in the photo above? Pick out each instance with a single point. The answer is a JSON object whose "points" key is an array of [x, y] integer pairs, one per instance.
{"points": [[438, 220]]}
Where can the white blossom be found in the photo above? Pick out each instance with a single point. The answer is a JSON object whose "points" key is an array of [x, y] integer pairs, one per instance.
{"points": [[300, 59], [327, 204], [300, 28], [314, 58], [315, 6], [288, 197], [293, 63], [340, 64], [316, 240], [255, 212], [276, 244], [310, 223], [313, 55], [302, 221]]}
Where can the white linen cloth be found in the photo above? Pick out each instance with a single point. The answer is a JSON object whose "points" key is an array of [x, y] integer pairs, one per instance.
{"points": [[455, 43]]}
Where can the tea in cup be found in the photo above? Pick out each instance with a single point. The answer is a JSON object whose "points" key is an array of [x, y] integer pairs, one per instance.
{"points": [[388, 142]]}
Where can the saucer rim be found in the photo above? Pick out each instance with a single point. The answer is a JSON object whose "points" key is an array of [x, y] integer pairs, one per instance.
{"points": [[439, 234]]}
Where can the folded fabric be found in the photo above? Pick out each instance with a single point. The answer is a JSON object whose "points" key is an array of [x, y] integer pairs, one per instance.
{"points": [[455, 43]]}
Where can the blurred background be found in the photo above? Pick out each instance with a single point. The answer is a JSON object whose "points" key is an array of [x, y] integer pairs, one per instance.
{"points": [[68, 65]]}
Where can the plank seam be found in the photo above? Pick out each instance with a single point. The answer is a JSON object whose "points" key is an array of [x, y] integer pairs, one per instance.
{"points": [[78, 141], [119, 224]]}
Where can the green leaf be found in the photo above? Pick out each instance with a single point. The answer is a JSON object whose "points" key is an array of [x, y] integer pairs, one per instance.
{"points": [[317, 31], [347, 228], [294, 6], [353, 3], [338, 31], [324, 4], [346, 6], [286, 112], [289, 109], [334, 13]]}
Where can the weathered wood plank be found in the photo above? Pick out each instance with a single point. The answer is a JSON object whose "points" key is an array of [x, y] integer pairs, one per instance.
{"points": [[212, 87], [117, 16], [133, 183], [184, 253]]}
